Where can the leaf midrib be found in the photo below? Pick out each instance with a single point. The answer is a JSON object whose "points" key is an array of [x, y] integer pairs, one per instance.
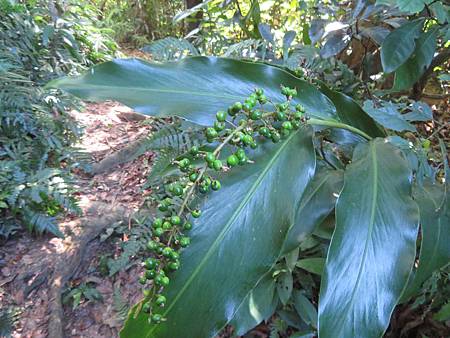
{"points": [[151, 90], [227, 227], [370, 231]]}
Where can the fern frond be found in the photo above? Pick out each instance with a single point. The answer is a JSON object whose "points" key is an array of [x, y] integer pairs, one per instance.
{"points": [[41, 223], [160, 165], [170, 49], [7, 322], [121, 306], [244, 49]]}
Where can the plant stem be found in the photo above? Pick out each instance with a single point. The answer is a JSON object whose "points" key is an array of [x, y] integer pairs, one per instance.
{"points": [[335, 124]]}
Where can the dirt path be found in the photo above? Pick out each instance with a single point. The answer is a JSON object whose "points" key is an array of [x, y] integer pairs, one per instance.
{"points": [[33, 272]]}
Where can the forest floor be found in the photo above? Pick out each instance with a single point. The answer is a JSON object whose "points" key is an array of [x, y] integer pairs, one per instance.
{"points": [[34, 272]]}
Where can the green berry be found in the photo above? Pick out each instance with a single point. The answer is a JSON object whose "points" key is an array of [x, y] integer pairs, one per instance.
{"points": [[150, 274], [146, 307], [211, 133], [280, 115], [177, 190], [264, 131], [193, 177], [221, 116], [157, 223], [215, 185], [232, 160], [184, 163], [426, 144], [299, 108], [219, 126], [254, 145], [275, 136], [151, 263], [167, 251], [293, 92], [160, 300], [174, 255], [166, 225], [210, 157], [163, 207], [286, 125], [203, 189], [152, 245], [147, 292], [174, 266], [142, 280], [194, 150], [175, 220], [165, 281], [217, 164], [285, 132], [295, 124], [196, 213], [240, 154], [255, 115], [259, 91], [156, 318], [188, 226], [247, 139], [158, 232], [237, 106], [185, 241], [262, 99]]}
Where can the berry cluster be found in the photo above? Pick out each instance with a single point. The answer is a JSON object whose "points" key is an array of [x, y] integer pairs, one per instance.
{"points": [[240, 127]]}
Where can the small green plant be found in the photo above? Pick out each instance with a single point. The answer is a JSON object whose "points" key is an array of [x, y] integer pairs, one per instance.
{"points": [[83, 292]]}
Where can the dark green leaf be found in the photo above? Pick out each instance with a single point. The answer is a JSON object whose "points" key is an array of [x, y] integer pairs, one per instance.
{"points": [[435, 224], [399, 45], [373, 246], [351, 112], [443, 314], [412, 6], [220, 268], [317, 202], [305, 309], [285, 284], [411, 71], [387, 115], [314, 265], [194, 88], [336, 42]]}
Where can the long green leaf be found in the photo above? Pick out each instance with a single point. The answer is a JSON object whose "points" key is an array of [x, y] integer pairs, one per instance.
{"points": [[316, 204], [399, 45], [411, 71], [434, 208], [235, 243], [194, 88], [373, 246]]}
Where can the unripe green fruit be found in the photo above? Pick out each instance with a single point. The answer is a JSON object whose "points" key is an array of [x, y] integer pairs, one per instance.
{"points": [[240, 154], [167, 251], [203, 189], [152, 245], [283, 106], [146, 307], [247, 139], [210, 157], [206, 181], [217, 164], [174, 266], [163, 207], [165, 281], [275, 136], [185, 241], [174, 255], [285, 132], [156, 318], [175, 220], [188, 226], [255, 115], [167, 225], [215, 185], [151, 263], [147, 292], [285, 90], [286, 125], [196, 213], [160, 300], [254, 145], [150, 274], [232, 160], [221, 116], [142, 280], [184, 163], [219, 126], [194, 150], [299, 108], [280, 115], [426, 144], [193, 177], [262, 99], [157, 223], [158, 232], [264, 131], [211, 133], [295, 124], [177, 190], [259, 91]]}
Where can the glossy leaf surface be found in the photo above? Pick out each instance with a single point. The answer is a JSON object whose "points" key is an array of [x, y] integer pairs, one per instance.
{"points": [[373, 246], [399, 45], [435, 225], [316, 204], [235, 243], [194, 88]]}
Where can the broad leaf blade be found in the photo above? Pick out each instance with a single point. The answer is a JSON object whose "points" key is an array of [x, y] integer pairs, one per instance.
{"points": [[398, 46], [373, 247], [194, 88], [411, 71], [435, 224], [220, 269], [316, 203]]}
